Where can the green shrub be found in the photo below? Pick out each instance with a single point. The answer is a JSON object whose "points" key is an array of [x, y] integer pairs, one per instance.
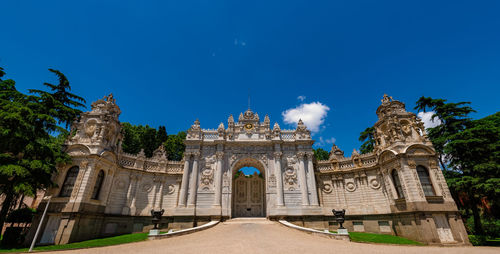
{"points": [[477, 240]]}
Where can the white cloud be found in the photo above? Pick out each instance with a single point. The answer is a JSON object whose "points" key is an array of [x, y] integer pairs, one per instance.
{"points": [[239, 42], [323, 142], [312, 114], [427, 119], [301, 98]]}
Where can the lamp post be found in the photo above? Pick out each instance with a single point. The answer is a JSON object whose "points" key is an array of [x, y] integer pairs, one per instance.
{"points": [[41, 222], [340, 218]]}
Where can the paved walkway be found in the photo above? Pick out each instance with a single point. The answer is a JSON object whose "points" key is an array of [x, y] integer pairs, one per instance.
{"points": [[262, 236]]}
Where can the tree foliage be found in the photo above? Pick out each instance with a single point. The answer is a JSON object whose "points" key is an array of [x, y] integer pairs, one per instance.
{"points": [[137, 137], [29, 152], [368, 141], [320, 154], [175, 146], [468, 152]]}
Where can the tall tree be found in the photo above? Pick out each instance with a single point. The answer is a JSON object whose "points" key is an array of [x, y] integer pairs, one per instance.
{"points": [[28, 152], [131, 143], [474, 159], [161, 135], [453, 116], [368, 141], [175, 146], [64, 103], [148, 140], [320, 154]]}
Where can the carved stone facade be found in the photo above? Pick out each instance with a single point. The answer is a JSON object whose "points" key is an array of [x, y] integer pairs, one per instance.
{"points": [[397, 189]]}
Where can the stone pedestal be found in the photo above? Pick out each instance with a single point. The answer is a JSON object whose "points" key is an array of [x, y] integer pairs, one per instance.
{"points": [[154, 232], [342, 231]]}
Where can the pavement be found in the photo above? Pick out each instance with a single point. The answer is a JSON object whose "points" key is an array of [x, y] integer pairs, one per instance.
{"points": [[258, 235]]}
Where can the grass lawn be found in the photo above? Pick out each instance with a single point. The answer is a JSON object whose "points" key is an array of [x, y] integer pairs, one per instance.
{"points": [[128, 238], [380, 238]]}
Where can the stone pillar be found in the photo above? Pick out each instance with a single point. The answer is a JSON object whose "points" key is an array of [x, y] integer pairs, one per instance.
{"points": [[193, 184], [184, 183], [312, 177], [218, 179], [303, 180], [279, 179]]}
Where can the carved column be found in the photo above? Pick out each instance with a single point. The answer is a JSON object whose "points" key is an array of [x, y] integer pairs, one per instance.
{"points": [[218, 179], [303, 180], [193, 185], [184, 183], [312, 177], [279, 179]]}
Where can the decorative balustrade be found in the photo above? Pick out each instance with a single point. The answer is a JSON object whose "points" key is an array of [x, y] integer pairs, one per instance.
{"points": [[210, 134], [287, 135], [347, 163], [131, 161]]}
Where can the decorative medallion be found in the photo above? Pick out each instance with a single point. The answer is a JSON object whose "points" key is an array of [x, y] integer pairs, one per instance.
{"points": [[327, 188], [374, 183], [248, 126], [350, 186], [170, 189]]}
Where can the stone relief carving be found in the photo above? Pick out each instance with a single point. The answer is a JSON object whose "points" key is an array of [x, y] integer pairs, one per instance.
{"points": [[291, 178], [170, 189], [272, 181]]}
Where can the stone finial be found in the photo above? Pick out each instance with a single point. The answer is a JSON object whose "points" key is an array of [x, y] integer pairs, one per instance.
{"points": [[266, 120], [196, 125], [355, 152], [221, 127], [301, 125], [106, 105], [141, 153], [230, 119], [336, 153], [386, 99], [276, 127], [160, 153]]}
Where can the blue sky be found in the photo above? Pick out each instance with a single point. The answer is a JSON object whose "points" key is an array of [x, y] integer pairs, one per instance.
{"points": [[170, 62]]}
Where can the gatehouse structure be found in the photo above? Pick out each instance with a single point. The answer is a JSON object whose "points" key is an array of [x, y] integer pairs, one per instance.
{"points": [[397, 189]]}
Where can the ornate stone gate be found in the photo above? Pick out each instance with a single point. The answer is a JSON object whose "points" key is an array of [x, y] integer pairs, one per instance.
{"points": [[284, 157]]}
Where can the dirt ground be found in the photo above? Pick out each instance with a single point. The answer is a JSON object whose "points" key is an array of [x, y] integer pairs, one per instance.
{"points": [[261, 236]]}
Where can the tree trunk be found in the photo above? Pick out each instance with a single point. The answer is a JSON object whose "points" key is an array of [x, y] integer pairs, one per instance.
{"points": [[9, 196], [478, 227]]}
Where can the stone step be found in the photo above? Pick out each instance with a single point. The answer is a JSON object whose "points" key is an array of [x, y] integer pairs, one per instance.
{"points": [[246, 220]]}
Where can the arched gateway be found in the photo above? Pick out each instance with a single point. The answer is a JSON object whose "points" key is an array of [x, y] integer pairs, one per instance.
{"points": [[396, 189], [285, 186]]}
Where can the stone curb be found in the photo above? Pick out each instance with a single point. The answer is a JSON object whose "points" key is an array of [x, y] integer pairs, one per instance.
{"points": [[316, 232], [184, 231]]}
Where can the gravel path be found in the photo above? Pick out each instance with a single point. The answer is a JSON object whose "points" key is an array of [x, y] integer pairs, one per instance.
{"points": [[261, 236]]}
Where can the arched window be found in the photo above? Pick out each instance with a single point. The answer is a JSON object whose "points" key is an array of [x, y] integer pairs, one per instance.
{"points": [[425, 181], [98, 185], [69, 182], [397, 184]]}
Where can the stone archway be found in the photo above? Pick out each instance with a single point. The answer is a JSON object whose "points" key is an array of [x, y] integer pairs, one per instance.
{"points": [[249, 196]]}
